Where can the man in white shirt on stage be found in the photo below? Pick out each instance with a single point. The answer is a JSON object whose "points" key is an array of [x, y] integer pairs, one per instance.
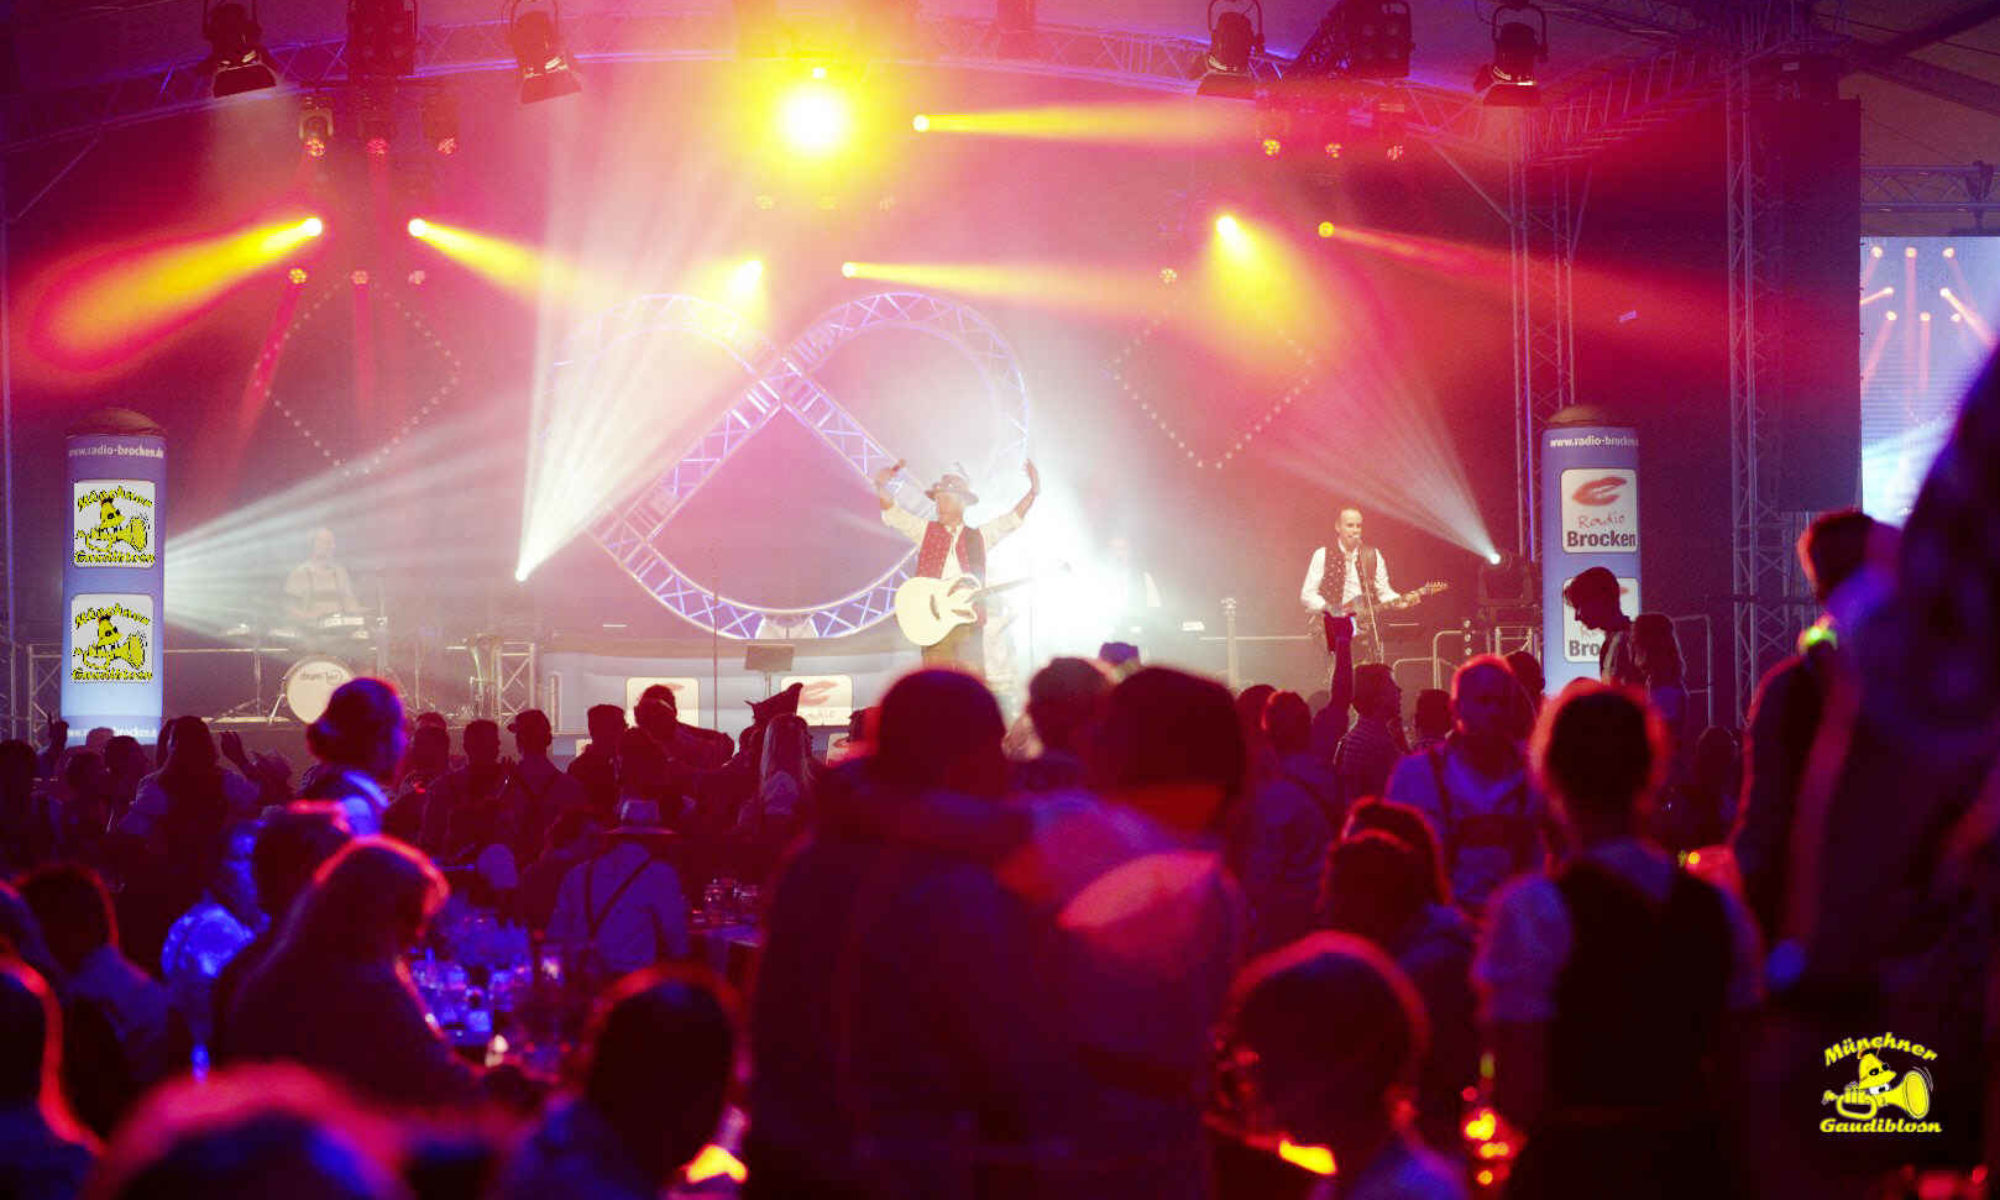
{"points": [[1340, 589], [948, 548]]}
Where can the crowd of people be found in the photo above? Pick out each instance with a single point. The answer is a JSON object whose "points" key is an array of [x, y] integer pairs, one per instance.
{"points": [[1152, 939]]}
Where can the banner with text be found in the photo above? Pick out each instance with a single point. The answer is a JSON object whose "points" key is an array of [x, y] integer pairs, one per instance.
{"points": [[112, 584], [1590, 518]]}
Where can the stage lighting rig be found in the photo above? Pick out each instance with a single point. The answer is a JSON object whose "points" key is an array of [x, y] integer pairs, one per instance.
{"points": [[1520, 40], [381, 39], [316, 124], [1235, 36], [1359, 39], [236, 49], [547, 71]]}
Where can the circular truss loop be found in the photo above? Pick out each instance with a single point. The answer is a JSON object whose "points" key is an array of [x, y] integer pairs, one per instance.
{"points": [[779, 381]]}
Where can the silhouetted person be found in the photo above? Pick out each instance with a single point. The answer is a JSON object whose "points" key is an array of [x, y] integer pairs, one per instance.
{"points": [[1377, 888], [657, 1064], [1528, 673], [1288, 729], [536, 791], [206, 937], [1329, 1028], [27, 836], [1785, 715], [1410, 827], [1065, 703], [123, 1035], [1475, 789], [358, 740], [44, 1153], [597, 767], [463, 815], [1611, 990], [1595, 597], [1371, 749], [289, 849], [251, 1132], [622, 908], [894, 1060], [334, 995], [1278, 835], [1430, 720]]}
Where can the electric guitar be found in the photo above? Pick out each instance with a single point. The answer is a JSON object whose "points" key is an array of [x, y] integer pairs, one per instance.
{"points": [[929, 609], [1367, 636]]}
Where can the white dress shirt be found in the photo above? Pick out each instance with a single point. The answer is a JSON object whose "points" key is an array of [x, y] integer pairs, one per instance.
{"points": [[1351, 589], [912, 526]]}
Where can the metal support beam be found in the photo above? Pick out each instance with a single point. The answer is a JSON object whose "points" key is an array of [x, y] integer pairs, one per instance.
{"points": [[1545, 205]]}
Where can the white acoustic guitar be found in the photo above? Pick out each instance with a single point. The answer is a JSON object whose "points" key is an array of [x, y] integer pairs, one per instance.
{"points": [[929, 609]]}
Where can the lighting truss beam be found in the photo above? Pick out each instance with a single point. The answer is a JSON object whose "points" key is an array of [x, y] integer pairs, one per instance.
{"points": [[1135, 60]]}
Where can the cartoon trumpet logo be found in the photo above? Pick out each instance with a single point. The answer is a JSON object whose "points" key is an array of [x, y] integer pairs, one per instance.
{"points": [[1873, 1091]]}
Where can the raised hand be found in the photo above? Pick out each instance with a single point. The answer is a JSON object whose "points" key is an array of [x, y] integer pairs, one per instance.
{"points": [[883, 476], [1034, 476]]}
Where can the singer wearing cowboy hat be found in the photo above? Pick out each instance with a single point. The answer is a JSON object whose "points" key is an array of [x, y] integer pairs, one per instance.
{"points": [[947, 548]]}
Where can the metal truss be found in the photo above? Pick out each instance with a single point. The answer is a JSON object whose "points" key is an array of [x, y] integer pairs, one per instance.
{"points": [[781, 382], [1150, 61], [1942, 190], [1768, 596], [1545, 209]]}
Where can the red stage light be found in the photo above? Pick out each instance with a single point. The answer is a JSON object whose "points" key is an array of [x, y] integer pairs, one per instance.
{"points": [[378, 147], [1273, 147], [359, 278], [296, 275]]}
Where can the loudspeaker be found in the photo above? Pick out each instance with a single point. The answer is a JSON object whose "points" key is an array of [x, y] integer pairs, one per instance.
{"points": [[1809, 389]]}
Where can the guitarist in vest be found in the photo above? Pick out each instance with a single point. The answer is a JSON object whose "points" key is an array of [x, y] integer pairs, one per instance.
{"points": [[1335, 582], [947, 548]]}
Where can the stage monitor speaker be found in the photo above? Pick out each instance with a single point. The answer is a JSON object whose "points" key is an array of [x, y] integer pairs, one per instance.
{"points": [[1810, 390], [768, 658]]}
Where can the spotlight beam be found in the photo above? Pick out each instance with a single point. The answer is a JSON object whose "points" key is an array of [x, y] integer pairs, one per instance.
{"points": [[110, 308]]}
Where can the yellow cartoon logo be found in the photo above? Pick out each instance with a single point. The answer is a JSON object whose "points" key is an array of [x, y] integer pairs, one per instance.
{"points": [[1876, 1087], [108, 647], [113, 525]]}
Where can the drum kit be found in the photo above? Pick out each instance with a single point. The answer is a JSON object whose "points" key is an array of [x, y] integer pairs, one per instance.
{"points": [[325, 654]]}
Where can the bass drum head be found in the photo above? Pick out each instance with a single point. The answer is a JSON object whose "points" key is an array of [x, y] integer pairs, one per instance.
{"points": [[310, 684]]}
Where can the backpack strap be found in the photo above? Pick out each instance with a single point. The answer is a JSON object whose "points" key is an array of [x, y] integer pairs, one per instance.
{"points": [[593, 919]]}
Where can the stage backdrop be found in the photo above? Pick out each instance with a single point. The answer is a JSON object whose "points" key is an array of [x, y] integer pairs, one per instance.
{"points": [[117, 469], [1590, 518]]}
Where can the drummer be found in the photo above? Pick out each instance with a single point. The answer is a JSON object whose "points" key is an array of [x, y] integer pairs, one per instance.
{"points": [[319, 587]]}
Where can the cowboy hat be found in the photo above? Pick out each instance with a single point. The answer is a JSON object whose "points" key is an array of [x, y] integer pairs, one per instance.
{"points": [[954, 482]]}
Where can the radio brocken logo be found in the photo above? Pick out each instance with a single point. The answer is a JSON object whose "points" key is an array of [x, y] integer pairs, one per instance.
{"points": [[1859, 1104], [114, 524], [1600, 510], [112, 639]]}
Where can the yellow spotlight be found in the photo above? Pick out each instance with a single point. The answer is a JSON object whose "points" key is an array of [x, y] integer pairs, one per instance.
{"points": [[419, 227], [1273, 147], [1951, 252], [1909, 252], [296, 275], [1890, 315], [815, 118], [1228, 226], [312, 227], [1326, 229], [850, 269], [921, 123], [1958, 318], [1875, 251], [1923, 316], [1945, 292], [1168, 275]]}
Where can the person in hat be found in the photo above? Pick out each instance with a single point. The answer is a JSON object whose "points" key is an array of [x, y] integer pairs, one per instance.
{"points": [[537, 791], [622, 908], [948, 548]]}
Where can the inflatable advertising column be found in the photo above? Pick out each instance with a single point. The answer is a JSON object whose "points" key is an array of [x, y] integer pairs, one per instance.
{"points": [[112, 578]]}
